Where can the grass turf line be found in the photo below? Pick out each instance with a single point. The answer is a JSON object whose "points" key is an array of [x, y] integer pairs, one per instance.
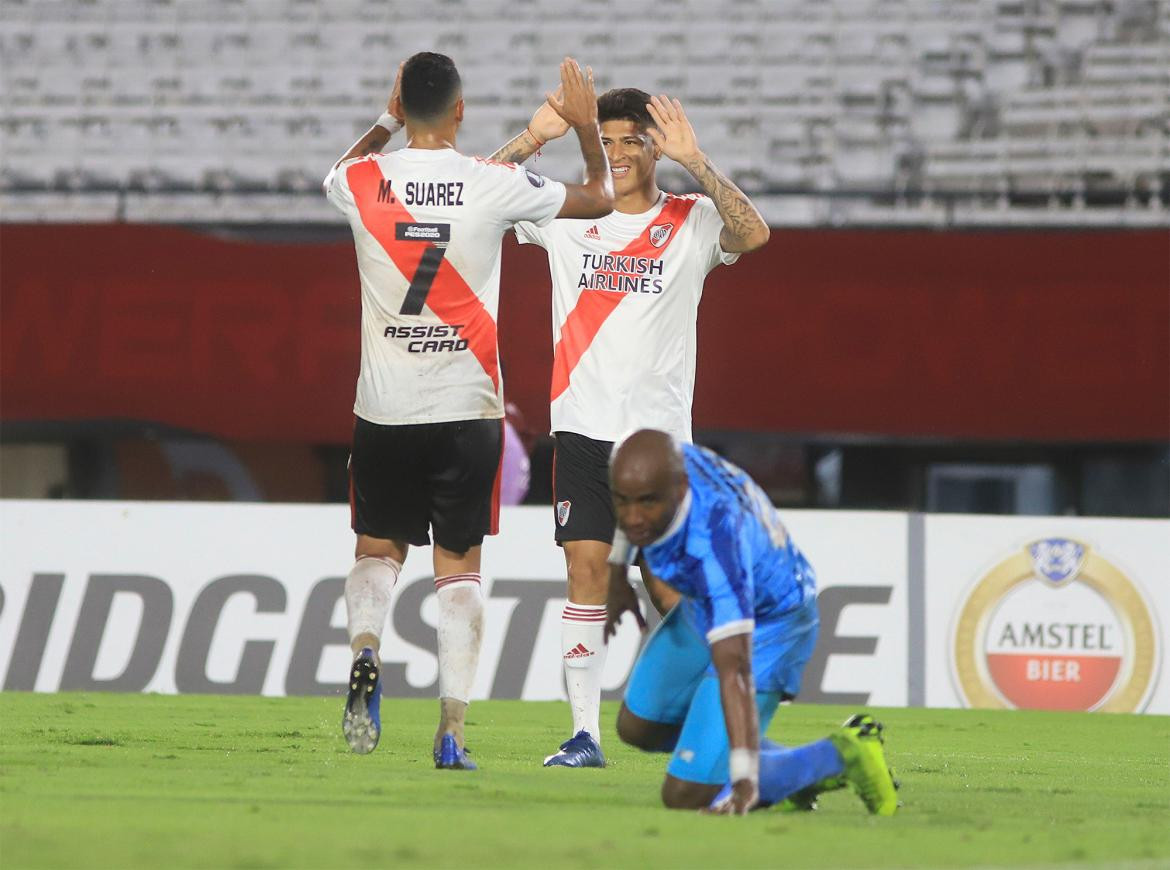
{"points": [[101, 780]]}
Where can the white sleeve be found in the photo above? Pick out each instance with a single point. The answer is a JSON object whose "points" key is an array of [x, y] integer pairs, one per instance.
{"points": [[525, 196], [337, 190], [708, 229], [528, 233]]}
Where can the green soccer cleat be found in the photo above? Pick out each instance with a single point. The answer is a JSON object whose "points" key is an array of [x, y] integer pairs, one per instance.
{"points": [[805, 800], [860, 741]]}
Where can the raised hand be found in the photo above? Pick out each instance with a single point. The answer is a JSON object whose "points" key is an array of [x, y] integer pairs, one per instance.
{"points": [[394, 104], [547, 124], [620, 598], [674, 136], [577, 103], [744, 228]]}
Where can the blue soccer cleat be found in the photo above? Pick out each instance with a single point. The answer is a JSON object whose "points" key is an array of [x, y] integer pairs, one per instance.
{"points": [[450, 757], [580, 750], [362, 722]]}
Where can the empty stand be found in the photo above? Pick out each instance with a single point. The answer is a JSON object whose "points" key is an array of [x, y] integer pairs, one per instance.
{"points": [[911, 96]]}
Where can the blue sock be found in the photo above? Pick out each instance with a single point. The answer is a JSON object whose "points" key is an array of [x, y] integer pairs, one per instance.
{"points": [[785, 771]]}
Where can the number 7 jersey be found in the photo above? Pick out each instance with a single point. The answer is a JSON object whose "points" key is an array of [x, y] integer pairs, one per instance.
{"points": [[427, 226]]}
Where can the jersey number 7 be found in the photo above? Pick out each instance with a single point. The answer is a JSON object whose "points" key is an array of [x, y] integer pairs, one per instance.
{"points": [[428, 266]]}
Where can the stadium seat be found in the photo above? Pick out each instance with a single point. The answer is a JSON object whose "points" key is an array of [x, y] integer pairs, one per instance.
{"points": [[831, 90]]}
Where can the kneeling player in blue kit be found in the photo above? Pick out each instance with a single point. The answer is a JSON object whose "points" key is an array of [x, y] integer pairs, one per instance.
{"points": [[711, 676]]}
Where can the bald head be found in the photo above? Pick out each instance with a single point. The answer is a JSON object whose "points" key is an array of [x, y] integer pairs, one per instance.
{"points": [[647, 456], [648, 479]]}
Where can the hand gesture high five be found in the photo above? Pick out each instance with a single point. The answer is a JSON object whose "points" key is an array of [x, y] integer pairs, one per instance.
{"points": [[575, 101], [675, 136], [546, 123], [744, 228]]}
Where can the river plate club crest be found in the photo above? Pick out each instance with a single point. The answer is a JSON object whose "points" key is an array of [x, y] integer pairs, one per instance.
{"points": [[1055, 626]]}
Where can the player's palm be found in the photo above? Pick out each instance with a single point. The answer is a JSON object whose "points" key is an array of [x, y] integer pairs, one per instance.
{"points": [[546, 124], [674, 136], [742, 799], [577, 104]]}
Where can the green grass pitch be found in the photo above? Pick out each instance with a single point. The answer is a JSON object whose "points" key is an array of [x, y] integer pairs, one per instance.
{"points": [[93, 780]]}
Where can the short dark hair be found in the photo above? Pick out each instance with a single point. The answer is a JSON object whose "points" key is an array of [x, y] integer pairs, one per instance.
{"points": [[430, 86], [624, 104]]}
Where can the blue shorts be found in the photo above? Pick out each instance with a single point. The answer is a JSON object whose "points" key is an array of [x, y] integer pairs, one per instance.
{"points": [[674, 682]]}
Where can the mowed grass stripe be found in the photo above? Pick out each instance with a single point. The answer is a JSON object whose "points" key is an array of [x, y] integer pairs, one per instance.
{"points": [[97, 780]]}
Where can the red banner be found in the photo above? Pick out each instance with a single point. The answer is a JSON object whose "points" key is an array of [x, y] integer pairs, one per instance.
{"points": [[1015, 335]]}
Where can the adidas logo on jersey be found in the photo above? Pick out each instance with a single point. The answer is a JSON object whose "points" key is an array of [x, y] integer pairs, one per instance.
{"points": [[580, 651], [592, 233]]}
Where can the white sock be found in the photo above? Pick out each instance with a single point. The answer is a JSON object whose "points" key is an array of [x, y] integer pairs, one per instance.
{"points": [[460, 633], [367, 594], [583, 651]]}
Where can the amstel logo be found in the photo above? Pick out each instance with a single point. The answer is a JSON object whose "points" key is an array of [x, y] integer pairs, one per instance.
{"points": [[1055, 627]]}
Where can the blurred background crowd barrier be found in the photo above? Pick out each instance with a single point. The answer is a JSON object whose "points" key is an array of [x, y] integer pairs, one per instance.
{"points": [[964, 305]]}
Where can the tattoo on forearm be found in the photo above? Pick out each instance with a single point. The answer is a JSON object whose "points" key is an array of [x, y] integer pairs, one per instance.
{"points": [[740, 218], [371, 143], [518, 150], [376, 139]]}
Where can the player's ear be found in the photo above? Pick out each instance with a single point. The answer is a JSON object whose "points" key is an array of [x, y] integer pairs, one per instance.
{"points": [[459, 110]]}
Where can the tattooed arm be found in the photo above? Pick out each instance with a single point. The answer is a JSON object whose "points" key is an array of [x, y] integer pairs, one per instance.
{"points": [[377, 136], [519, 149], [372, 142], [545, 126], [744, 229], [578, 109]]}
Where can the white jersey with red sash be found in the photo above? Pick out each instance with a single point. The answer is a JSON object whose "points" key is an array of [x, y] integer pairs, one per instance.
{"points": [[427, 225], [626, 291]]}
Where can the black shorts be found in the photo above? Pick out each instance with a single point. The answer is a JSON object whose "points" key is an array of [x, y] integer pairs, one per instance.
{"points": [[443, 476], [582, 504]]}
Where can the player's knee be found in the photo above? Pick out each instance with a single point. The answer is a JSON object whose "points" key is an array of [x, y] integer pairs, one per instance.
{"points": [[588, 580], [678, 794], [647, 736], [381, 548], [629, 728], [635, 732]]}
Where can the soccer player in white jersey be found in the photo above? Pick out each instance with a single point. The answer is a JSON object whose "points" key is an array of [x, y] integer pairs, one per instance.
{"points": [[626, 291], [427, 224]]}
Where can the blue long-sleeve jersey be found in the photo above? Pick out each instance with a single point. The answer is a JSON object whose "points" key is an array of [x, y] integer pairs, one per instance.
{"points": [[728, 552]]}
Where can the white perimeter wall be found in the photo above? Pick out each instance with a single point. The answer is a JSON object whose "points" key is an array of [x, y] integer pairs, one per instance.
{"points": [[246, 599]]}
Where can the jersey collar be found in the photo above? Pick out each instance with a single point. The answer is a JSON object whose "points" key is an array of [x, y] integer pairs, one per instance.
{"points": [[655, 206], [680, 519]]}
